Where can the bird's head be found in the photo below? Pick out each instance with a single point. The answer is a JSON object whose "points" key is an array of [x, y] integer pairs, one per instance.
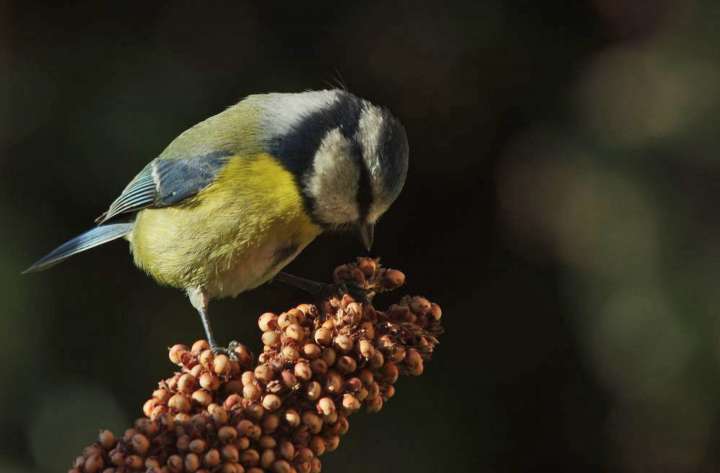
{"points": [[356, 158]]}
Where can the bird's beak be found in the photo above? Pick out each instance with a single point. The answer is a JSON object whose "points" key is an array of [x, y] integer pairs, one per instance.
{"points": [[367, 233]]}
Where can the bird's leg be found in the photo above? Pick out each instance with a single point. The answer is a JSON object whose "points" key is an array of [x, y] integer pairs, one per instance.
{"points": [[200, 300], [319, 289]]}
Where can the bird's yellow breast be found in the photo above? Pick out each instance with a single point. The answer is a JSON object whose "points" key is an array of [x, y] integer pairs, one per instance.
{"points": [[232, 236]]}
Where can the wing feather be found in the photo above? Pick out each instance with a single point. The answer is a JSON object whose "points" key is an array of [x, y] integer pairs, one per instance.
{"points": [[166, 182]]}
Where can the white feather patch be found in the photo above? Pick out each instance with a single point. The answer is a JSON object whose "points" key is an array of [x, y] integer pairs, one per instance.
{"points": [[369, 132], [333, 181]]}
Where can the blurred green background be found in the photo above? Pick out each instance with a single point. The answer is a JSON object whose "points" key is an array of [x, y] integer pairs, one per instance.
{"points": [[561, 206]]}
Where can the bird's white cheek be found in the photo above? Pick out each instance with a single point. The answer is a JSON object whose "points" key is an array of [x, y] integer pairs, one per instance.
{"points": [[334, 180]]}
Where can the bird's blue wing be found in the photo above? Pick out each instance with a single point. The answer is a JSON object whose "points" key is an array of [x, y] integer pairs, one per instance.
{"points": [[166, 182]]}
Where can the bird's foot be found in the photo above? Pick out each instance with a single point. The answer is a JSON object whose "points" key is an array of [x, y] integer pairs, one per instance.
{"points": [[355, 291], [229, 351]]}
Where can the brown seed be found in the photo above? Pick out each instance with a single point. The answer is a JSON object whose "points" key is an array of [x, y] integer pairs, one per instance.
{"points": [[317, 445], [318, 366], [209, 381], [202, 397], [329, 355], [140, 444], [292, 417], [198, 446], [390, 372], [267, 321], [287, 450], [134, 462], [289, 379], [295, 332], [242, 443], [271, 402], [221, 365], [152, 463], [175, 463], [366, 376], [323, 336], [389, 391], [333, 382], [206, 359], [250, 457], [285, 319], [329, 324], [244, 356], [362, 394], [325, 406], [316, 466], [311, 350], [377, 360], [271, 339], [366, 348], [435, 311], [368, 330], [398, 354], [270, 423], [313, 390], [251, 392], [420, 305], [230, 453], [312, 421], [304, 454], [303, 467], [267, 458], [346, 364], [350, 402], [227, 434], [264, 373], [186, 383], [374, 404], [149, 405], [212, 458], [162, 395], [196, 371], [93, 464], [199, 346], [413, 358], [231, 400], [267, 441], [373, 391], [353, 385], [117, 458], [106, 439], [392, 279], [179, 403], [183, 443], [254, 411], [258, 470], [175, 353], [231, 468], [343, 343], [290, 353], [281, 466], [248, 377], [303, 371], [416, 370], [218, 413], [332, 442], [192, 462]]}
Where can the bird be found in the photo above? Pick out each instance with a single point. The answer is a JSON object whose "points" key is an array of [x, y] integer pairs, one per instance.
{"points": [[235, 198]]}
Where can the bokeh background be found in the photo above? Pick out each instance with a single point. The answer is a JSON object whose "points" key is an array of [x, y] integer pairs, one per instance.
{"points": [[561, 206]]}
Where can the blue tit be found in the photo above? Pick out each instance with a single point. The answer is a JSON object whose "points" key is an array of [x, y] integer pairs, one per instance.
{"points": [[235, 198]]}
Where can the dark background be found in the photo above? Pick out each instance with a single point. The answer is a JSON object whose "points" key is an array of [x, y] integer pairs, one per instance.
{"points": [[561, 206]]}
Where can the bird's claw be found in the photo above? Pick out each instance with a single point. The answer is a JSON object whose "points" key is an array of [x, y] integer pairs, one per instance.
{"points": [[229, 351], [358, 293]]}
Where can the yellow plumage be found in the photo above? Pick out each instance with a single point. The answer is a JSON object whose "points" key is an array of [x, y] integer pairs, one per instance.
{"points": [[232, 236]]}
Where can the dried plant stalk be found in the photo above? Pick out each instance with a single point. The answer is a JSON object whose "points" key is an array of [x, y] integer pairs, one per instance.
{"points": [[283, 411]]}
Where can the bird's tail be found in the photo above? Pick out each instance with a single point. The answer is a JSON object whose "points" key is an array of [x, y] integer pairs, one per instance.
{"points": [[90, 239]]}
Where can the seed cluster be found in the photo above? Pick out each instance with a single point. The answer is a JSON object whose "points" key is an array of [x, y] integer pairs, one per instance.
{"points": [[283, 411]]}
